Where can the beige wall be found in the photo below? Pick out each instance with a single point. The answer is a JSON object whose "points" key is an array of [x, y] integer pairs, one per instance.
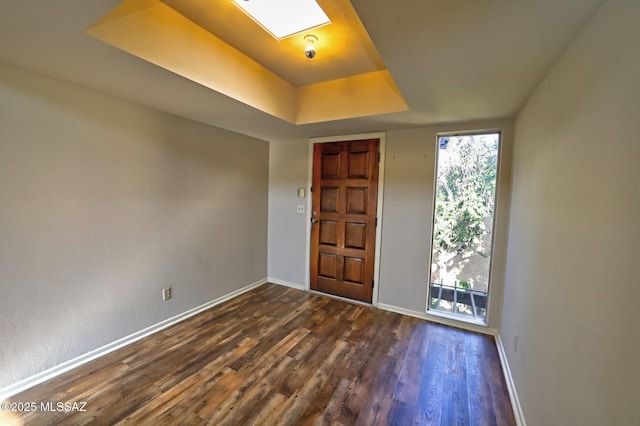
{"points": [[572, 281], [102, 204]]}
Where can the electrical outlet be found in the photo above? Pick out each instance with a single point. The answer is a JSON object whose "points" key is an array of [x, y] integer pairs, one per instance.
{"points": [[515, 342], [166, 294], [300, 208]]}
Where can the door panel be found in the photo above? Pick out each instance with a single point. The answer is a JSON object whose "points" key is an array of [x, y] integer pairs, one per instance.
{"points": [[357, 200], [355, 236], [345, 198], [329, 199]]}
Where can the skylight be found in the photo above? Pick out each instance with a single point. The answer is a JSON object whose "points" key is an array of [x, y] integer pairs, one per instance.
{"points": [[283, 18]]}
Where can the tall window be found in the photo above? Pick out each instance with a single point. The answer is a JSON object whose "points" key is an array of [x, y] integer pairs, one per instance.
{"points": [[465, 195]]}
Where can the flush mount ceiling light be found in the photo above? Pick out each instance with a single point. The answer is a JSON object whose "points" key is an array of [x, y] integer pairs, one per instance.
{"points": [[283, 18], [310, 51]]}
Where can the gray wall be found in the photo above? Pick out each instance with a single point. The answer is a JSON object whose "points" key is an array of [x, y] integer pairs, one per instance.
{"points": [[572, 281], [288, 166], [407, 214], [102, 204]]}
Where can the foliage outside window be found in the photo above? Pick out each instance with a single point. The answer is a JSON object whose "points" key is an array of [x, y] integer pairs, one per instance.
{"points": [[465, 193], [463, 223]]}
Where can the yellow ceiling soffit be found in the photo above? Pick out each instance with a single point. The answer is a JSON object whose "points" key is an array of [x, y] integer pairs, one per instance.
{"points": [[153, 31], [160, 35], [357, 96]]}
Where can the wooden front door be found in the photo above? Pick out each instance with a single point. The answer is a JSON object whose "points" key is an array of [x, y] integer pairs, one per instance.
{"points": [[343, 216]]}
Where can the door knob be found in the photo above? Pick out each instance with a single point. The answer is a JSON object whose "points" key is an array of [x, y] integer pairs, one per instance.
{"points": [[314, 220]]}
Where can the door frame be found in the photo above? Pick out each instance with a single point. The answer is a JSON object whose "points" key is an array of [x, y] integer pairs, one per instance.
{"points": [[353, 137]]}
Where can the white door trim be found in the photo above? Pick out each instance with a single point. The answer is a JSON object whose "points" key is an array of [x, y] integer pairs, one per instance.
{"points": [[360, 136]]}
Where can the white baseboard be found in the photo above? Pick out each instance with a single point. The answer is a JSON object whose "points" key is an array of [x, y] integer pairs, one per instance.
{"points": [[16, 388], [440, 319], [43, 376], [287, 284], [513, 395]]}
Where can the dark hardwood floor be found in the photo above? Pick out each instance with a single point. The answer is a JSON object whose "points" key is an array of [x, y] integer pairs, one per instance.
{"points": [[282, 356]]}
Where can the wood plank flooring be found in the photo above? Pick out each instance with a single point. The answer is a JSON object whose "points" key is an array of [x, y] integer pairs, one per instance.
{"points": [[279, 356]]}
